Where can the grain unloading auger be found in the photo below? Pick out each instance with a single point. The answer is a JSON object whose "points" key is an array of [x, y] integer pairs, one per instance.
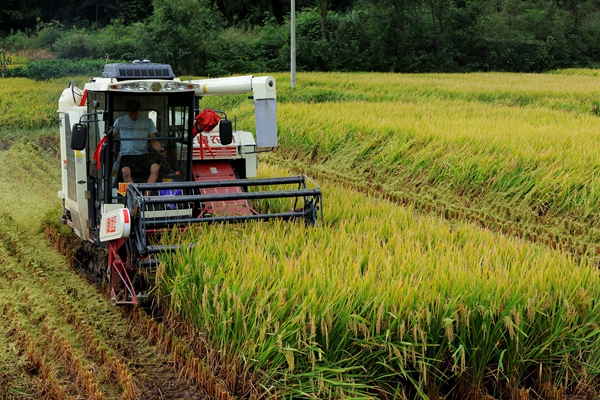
{"points": [[207, 169]]}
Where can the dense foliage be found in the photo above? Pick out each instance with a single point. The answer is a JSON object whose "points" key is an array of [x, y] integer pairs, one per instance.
{"points": [[205, 38], [48, 69]]}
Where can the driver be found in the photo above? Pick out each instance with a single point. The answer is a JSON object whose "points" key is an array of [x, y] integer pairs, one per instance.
{"points": [[134, 153]]}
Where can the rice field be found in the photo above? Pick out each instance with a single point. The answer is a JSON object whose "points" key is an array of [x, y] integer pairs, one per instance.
{"points": [[380, 302], [458, 257], [26, 104], [61, 338], [513, 152], [384, 301]]}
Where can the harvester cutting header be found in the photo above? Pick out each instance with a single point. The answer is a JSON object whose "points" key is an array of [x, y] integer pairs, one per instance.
{"points": [[140, 157]]}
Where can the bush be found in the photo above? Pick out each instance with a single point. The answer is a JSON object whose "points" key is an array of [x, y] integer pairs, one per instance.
{"points": [[113, 41], [313, 53], [240, 50], [116, 41], [181, 33], [5, 62], [363, 42], [273, 45], [48, 69], [74, 45], [106, 46], [46, 37], [233, 52], [19, 41]]}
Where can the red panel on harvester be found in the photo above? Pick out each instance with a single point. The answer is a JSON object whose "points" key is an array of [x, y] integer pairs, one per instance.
{"points": [[220, 171]]}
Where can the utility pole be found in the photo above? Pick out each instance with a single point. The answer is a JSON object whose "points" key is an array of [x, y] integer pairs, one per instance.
{"points": [[293, 44]]}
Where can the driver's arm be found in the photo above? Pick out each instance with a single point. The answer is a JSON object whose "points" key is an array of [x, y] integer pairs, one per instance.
{"points": [[156, 144]]}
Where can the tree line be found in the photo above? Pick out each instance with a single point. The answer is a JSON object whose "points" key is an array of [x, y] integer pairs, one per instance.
{"points": [[215, 38]]}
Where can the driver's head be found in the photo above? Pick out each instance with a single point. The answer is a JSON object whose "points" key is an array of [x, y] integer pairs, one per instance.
{"points": [[133, 108]]}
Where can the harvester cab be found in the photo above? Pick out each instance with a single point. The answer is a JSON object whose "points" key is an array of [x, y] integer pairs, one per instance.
{"points": [[207, 168]]}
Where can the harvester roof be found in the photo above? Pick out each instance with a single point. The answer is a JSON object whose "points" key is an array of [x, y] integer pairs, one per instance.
{"points": [[139, 69]]}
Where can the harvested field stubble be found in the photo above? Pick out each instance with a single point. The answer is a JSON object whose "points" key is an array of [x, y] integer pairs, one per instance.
{"points": [[59, 337]]}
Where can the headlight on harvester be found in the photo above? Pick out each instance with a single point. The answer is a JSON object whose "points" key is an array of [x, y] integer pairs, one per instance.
{"points": [[170, 86], [138, 86]]}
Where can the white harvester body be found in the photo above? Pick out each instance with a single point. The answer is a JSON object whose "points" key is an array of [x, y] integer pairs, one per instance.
{"points": [[207, 168], [71, 109]]}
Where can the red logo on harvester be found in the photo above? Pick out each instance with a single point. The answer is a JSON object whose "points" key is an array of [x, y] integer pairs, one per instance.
{"points": [[111, 224], [215, 139], [122, 189]]}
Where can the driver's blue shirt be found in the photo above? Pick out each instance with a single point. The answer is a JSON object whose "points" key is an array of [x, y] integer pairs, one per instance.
{"points": [[141, 128]]}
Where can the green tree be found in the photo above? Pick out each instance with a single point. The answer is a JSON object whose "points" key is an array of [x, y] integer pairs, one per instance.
{"points": [[313, 53], [582, 27], [525, 36], [181, 33], [18, 14]]}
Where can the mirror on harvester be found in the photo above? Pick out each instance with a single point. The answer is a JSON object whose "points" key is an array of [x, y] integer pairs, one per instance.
{"points": [[79, 135], [225, 132]]}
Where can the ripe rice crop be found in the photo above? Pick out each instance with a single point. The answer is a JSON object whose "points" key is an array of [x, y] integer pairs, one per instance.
{"points": [[381, 302], [29, 104], [475, 148], [513, 152]]}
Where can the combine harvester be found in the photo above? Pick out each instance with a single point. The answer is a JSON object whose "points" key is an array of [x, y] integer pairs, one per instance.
{"points": [[204, 174]]}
